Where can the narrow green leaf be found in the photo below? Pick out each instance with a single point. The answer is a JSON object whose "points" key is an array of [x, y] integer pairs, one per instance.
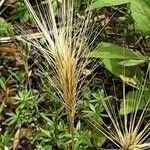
{"points": [[46, 119], [47, 133], [3, 83], [2, 106], [92, 107]]}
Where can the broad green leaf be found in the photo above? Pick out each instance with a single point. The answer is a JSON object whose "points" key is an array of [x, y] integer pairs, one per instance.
{"points": [[131, 62], [115, 68], [132, 102], [98, 4], [141, 14], [120, 61], [131, 74], [112, 51]]}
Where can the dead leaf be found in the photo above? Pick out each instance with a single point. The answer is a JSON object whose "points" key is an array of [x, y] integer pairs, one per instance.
{"points": [[10, 1], [21, 132], [16, 140], [8, 49], [10, 82], [10, 101], [1, 95], [128, 80]]}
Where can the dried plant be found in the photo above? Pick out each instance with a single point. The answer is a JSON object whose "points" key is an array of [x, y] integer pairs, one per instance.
{"points": [[63, 46]]}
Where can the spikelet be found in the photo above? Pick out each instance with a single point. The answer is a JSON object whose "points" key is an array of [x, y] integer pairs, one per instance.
{"points": [[64, 45]]}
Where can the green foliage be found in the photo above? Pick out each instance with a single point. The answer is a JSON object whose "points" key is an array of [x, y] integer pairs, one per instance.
{"points": [[92, 107], [92, 104], [135, 100], [140, 11], [112, 51], [3, 83], [20, 12], [5, 140], [82, 139], [26, 108], [98, 4], [15, 118], [54, 133], [141, 14], [120, 61], [25, 99], [114, 66], [15, 74], [5, 27]]}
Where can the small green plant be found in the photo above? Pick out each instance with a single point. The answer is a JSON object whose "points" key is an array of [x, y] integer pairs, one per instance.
{"points": [[5, 140], [25, 99], [27, 107], [53, 133], [92, 104], [20, 13], [16, 118], [5, 27]]}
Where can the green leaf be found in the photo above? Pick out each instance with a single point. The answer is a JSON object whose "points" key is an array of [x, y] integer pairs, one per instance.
{"points": [[129, 74], [98, 4], [132, 102], [131, 62], [141, 14], [108, 50], [2, 106], [92, 107], [120, 61]]}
